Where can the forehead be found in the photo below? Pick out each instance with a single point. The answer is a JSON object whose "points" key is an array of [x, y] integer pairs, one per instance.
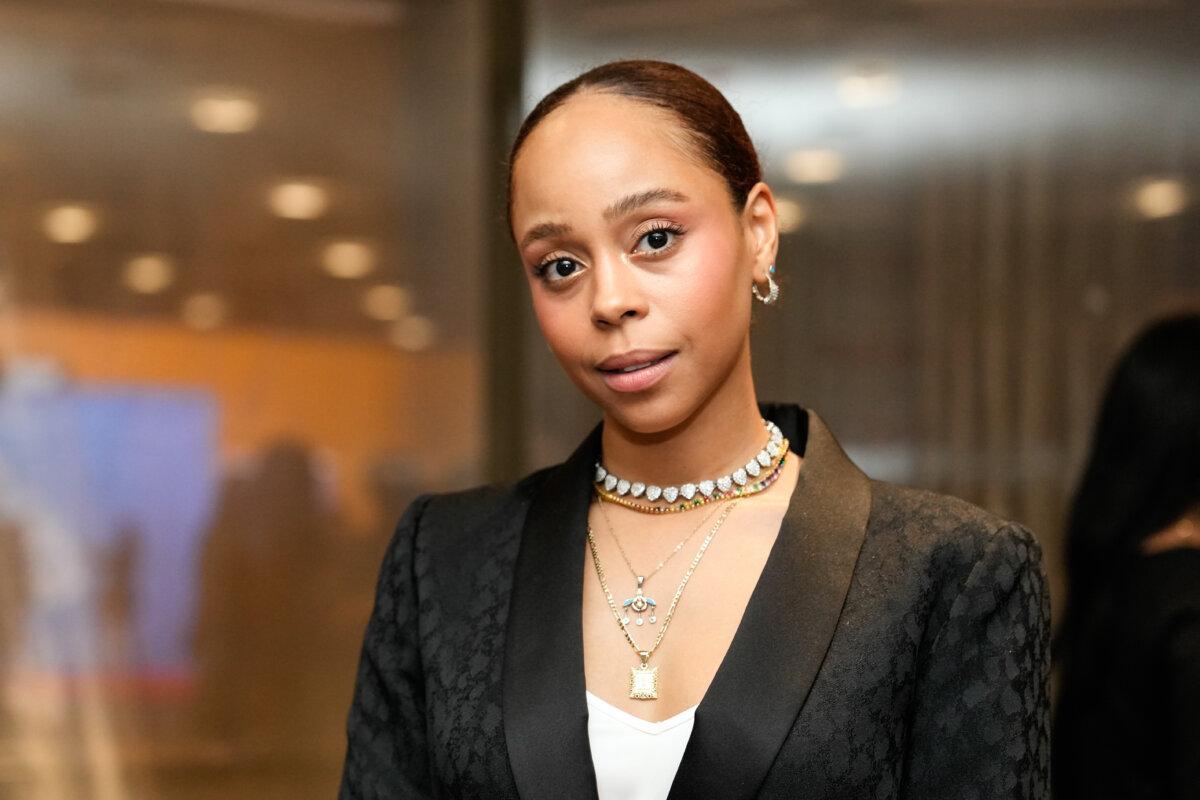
{"points": [[599, 146]]}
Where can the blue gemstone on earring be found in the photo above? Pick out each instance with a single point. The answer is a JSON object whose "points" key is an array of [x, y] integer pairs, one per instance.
{"points": [[772, 269]]}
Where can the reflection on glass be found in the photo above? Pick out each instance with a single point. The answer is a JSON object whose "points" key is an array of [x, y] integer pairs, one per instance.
{"points": [[1158, 198], [386, 302], [224, 111], [71, 223], [149, 273], [348, 258], [298, 200], [815, 165]]}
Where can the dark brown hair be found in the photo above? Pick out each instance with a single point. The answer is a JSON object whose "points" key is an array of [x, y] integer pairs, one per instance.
{"points": [[709, 121]]}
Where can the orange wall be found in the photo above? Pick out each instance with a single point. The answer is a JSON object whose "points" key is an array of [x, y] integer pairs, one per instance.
{"points": [[348, 398]]}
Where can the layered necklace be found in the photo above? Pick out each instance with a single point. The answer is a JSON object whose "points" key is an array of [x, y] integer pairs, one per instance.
{"points": [[644, 681], [640, 603], [756, 475]]}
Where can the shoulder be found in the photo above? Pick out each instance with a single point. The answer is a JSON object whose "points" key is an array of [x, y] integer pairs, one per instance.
{"points": [[457, 544], [477, 506], [942, 523], [468, 527], [954, 545]]}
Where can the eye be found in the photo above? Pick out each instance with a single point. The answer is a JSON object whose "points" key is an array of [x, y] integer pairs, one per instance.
{"points": [[658, 239], [556, 270]]}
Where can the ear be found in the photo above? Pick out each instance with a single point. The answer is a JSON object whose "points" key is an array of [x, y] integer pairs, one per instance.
{"points": [[761, 226]]}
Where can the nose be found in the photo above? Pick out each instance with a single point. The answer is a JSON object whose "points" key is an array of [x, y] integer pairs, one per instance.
{"points": [[617, 293]]}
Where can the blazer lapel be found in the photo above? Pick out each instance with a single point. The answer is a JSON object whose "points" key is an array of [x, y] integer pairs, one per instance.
{"points": [[762, 683], [545, 709]]}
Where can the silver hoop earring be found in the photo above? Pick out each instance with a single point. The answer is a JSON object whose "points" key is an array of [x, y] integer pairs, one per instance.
{"points": [[772, 289]]}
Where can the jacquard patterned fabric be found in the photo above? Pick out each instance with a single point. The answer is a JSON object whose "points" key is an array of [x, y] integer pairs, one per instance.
{"points": [[936, 683], [933, 685]]}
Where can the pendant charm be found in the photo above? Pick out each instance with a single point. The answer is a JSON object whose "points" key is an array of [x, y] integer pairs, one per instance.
{"points": [[643, 680], [640, 603]]}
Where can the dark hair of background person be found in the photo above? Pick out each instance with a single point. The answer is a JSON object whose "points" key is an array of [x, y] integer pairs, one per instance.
{"points": [[1142, 475], [714, 127]]}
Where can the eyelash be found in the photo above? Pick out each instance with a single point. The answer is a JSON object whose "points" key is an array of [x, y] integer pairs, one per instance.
{"points": [[671, 227]]}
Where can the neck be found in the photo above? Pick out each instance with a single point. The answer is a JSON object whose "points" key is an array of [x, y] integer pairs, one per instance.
{"points": [[716, 439]]}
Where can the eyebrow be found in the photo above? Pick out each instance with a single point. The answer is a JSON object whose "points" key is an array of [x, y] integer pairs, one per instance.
{"points": [[545, 230], [633, 201]]}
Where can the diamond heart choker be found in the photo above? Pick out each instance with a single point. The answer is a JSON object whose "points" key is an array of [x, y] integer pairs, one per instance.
{"points": [[754, 476]]}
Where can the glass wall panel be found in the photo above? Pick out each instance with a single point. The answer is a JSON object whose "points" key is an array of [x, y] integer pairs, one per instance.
{"points": [[239, 293]]}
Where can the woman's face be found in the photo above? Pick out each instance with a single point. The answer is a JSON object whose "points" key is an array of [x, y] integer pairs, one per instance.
{"points": [[639, 266]]}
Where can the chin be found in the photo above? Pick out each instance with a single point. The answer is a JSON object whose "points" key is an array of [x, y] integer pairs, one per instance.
{"points": [[648, 413]]}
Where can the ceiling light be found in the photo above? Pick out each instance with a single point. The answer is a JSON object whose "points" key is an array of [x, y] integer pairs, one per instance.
{"points": [[869, 85], [298, 200], [224, 111], [70, 223], [414, 333], [348, 258], [386, 302], [149, 273], [790, 214], [1156, 198], [818, 165], [204, 311]]}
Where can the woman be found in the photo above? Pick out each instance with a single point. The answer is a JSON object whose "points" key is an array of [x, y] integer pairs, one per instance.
{"points": [[1128, 721], [587, 633]]}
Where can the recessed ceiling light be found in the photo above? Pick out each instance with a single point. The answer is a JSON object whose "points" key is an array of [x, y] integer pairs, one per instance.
{"points": [[815, 165], [149, 273], [204, 311], [386, 302], [1156, 198], [224, 111], [869, 85], [348, 258], [70, 223], [790, 214], [414, 333], [298, 200]]}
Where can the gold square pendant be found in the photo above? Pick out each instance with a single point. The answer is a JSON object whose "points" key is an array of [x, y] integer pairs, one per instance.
{"points": [[643, 682]]}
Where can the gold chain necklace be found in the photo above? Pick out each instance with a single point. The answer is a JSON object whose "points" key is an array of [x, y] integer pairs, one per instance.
{"points": [[644, 682], [640, 603]]}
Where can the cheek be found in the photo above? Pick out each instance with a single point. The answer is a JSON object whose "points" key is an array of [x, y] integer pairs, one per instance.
{"points": [[710, 302], [559, 323]]}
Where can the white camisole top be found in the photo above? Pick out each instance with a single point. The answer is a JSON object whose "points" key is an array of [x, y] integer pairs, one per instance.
{"points": [[635, 759]]}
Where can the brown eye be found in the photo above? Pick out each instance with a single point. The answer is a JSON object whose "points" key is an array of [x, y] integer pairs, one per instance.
{"points": [[658, 240], [557, 270]]}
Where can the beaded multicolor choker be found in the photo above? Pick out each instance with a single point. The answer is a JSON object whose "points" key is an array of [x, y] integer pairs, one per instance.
{"points": [[745, 480]]}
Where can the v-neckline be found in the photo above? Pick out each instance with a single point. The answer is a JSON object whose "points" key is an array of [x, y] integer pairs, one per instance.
{"points": [[636, 722], [767, 671]]}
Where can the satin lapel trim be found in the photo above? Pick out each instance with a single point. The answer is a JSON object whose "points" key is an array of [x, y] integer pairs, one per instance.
{"points": [[785, 632], [545, 708]]}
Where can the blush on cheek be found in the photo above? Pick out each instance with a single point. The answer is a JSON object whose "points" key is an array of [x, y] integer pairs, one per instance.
{"points": [[708, 287], [562, 332]]}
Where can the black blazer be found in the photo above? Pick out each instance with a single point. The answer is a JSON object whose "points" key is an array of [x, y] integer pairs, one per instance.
{"points": [[895, 646]]}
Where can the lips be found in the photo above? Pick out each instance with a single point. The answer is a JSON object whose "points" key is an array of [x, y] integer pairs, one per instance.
{"points": [[636, 370], [632, 360]]}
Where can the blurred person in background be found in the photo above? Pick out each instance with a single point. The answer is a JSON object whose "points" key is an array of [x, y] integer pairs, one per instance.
{"points": [[890, 643], [1128, 720]]}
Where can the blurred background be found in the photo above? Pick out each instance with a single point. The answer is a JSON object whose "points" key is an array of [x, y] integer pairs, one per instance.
{"points": [[256, 293]]}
